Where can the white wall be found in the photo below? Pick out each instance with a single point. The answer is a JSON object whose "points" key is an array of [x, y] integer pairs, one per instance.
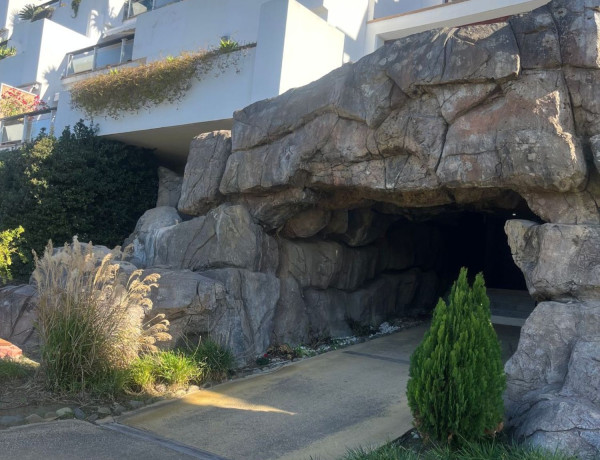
{"points": [[191, 25], [295, 47], [382, 8], [9, 10], [312, 48], [93, 17], [41, 48]]}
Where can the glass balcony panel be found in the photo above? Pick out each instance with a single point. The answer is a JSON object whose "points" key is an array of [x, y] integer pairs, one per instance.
{"points": [[36, 123], [108, 56], [82, 62], [141, 6], [12, 131], [128, 51], [161, 3]]}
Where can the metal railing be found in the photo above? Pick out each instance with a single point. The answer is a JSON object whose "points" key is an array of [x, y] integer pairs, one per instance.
{"points": [[23, 128], [100, 56], [135, 7]]}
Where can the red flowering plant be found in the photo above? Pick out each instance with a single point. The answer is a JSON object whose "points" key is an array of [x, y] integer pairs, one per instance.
{"points": [[14, 101]]}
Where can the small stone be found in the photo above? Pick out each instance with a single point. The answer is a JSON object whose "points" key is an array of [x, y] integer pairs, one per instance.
{"points": [[50, 415], [34, 418], [180, 393], [64, 412], [92, 418], [207, 385], [79, 414], [118, 409], [103, 411], [135, 404], [12, 420], [161, 388], [192, 388]]}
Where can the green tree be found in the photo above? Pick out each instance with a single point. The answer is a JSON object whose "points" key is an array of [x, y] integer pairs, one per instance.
{"points": [[456, 373], [9, 247], [76, 184]]}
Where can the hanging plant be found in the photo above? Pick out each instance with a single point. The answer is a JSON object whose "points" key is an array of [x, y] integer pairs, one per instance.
{"points": [[15, 102], [130, 89], [75, 7]]}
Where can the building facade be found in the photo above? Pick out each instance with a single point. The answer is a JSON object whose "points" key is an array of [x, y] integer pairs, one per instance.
{"points": [[289, 43]]}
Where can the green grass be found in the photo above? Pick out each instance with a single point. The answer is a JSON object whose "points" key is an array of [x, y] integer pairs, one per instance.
{"points": [[471, 451], [15, 369], [217, 361], [171, 368]]}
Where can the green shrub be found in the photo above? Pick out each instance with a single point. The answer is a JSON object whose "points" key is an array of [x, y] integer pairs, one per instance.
{"points": [[13, 369], [9, 247], [77, 184], [456, 373], [7, 51], [89, 318], [217, 361], [172, 368]]}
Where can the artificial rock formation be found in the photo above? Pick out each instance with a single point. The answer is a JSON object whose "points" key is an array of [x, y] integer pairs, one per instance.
{"points": [[340, 202]]}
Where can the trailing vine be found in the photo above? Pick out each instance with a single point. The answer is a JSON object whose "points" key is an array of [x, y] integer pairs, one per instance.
{"points": [[131, 89]]}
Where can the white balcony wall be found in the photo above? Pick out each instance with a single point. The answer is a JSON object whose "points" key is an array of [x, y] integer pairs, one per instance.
{"points": [[295, 47], [93, 18], [41, 48], [192, 25], [9, 10], [215, 97]]}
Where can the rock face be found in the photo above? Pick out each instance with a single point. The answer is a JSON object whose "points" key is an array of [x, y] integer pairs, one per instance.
{"points": [[169, 187], [17, 316], [336, 203]]}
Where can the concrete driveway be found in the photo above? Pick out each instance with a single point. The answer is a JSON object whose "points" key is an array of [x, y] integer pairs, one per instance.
{"points": [[316, 408]]}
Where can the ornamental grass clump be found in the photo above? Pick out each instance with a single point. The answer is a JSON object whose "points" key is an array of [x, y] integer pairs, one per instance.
{"points": [[89, 318], [456, 373]]}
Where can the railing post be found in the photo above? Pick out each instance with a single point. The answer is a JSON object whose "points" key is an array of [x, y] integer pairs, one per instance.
{"points": [[26, 123], [153, 4], [69, 64], [122, 57], [1, 132], [94, 58], [128, 9]]}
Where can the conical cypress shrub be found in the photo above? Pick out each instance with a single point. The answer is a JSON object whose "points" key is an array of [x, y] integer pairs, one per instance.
{"points": [[456, 373]]}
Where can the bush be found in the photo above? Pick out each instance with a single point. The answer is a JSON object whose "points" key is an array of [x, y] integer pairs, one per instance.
{"points": [[77, 184], [217, 361], [456, 373], [9, 241], [172, 368], [89, 319]]}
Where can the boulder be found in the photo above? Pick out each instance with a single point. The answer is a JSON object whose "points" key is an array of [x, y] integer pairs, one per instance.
{"points": [[538, 39], [553, 379], [246, 324], [225, 237], [307, 223], [203, 172], [523, 140], [291, 322], [143, 238], [559, 261], [169, 187], [583, 85], [18, 316]]}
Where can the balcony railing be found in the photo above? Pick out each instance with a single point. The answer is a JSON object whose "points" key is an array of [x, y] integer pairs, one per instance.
{"points": [[135, 7], [23, 128], [100, 56]]}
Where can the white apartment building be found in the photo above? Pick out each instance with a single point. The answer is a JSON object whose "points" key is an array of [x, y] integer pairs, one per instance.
{"points": [[296, 42]]}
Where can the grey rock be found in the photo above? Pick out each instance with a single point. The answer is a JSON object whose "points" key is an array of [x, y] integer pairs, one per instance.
{"points": [[143, 238], [79, 414], [92, 418], [203, 172], [245, 325], [65, 412], [559, 261], [11, 420], [135, 404], [577, 22], [290, 321], [495, 145], [583, 85], [34, 418], [169, 187], [307, 223], [538, 39], [18, 316], [225, 237], [103, 410]]}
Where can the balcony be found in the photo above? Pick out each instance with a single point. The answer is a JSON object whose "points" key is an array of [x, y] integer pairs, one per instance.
{"points": [[135, 7], [23, 128], [100, 56]]}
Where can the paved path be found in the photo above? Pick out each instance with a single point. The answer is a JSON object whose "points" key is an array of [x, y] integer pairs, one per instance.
{"points": [[318, 408]]}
